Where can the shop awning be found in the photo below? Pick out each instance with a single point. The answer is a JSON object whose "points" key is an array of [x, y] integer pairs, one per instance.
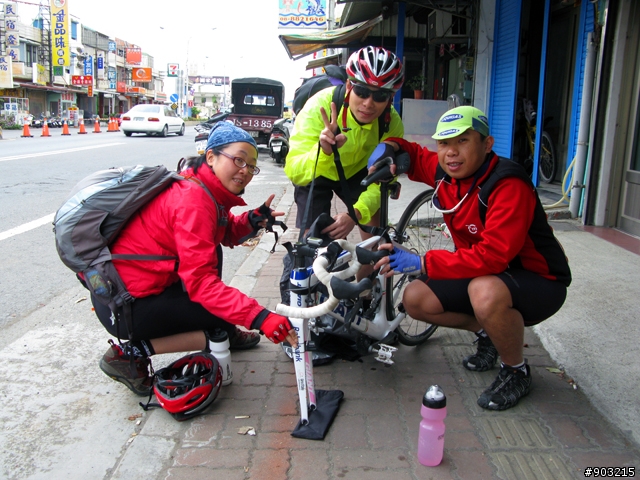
{"points": [[299, 45], [322, 61]]}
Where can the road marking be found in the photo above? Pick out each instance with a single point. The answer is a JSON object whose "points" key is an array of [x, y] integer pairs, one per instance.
{"points": [[27, 226], [57, 152]]}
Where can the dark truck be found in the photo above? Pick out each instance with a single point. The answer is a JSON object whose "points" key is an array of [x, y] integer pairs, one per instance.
{"points": [[257, 103]]}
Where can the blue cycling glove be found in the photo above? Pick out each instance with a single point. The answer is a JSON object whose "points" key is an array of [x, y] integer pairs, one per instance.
{"points": [[402, 261], [382, 151]]}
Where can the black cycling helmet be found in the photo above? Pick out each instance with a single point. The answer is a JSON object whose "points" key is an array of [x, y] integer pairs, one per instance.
{"points": [[189, 385]]}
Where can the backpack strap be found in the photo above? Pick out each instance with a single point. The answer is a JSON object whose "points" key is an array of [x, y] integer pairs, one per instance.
{"points": [[504, 168]]}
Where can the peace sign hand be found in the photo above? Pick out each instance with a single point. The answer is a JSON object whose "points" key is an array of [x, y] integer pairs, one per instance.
{"points": [[328, 136]]}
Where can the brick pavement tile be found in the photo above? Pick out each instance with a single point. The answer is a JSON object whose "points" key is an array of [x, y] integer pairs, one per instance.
{"points": [[285, 379], [567, 431], [381, 394], [369, 474], [470, 465], [393, 459], [201, 473], [277, 441], [278, 423], [460, 440], [532, 466], [514, 431], [348, 432], [239, 406], [385, 431], [595, 458], [237, 392], [210, 457], [309, 465], [357, 406], [282, 401], [602, 434], [204, 430], [255, 373], [269, 464]]}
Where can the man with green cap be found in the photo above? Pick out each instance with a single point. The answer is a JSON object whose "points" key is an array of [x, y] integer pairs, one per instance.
{"points": [[508, 270]]}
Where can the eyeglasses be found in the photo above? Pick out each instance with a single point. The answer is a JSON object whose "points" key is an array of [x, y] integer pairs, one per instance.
{"points": [[240, 163], [436, 203], [379, 96]]}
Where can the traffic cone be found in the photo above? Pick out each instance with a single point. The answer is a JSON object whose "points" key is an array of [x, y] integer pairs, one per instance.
{"points": [[25, 131], [45, 129], [65, 128], [111, 125], [96, 126], [116, 127], [82, 129]]}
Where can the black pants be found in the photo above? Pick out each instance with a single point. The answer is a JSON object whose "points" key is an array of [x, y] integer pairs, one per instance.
{"points": [[169, 313], [323, 191]]}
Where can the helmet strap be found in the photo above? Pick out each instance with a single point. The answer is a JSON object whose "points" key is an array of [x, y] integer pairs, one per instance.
{"points": [[345, 108]]}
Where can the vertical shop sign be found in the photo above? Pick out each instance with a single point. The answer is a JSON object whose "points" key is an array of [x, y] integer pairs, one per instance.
{"points": [[6, 74], [60, 33]]}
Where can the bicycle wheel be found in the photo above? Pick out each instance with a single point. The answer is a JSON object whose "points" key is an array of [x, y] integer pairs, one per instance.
{"points": [[420, 229], [548, 162]]}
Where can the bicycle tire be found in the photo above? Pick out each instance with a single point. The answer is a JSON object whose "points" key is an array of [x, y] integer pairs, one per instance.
{"points": [[548, 163], [420, 228]]}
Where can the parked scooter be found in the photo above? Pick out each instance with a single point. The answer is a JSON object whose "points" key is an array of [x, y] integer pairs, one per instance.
{"points": [[203, 129], [279, 139]]}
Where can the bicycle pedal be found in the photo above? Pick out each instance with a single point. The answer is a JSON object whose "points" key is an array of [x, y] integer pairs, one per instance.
{"points": [[385, 353]]}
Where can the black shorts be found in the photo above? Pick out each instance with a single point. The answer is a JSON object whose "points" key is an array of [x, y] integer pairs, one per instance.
{"points": [[169, 313], [323, 191], [535, 297]]}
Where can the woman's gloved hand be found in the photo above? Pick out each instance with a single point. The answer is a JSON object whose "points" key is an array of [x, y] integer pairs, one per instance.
{"points": [[276, 328]]}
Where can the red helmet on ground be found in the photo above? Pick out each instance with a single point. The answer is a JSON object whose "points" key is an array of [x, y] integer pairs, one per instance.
{"points": [[189, 385], [376, 66]]}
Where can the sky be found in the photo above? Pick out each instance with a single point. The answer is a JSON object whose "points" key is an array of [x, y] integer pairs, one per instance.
{"points": [[236, 38]]}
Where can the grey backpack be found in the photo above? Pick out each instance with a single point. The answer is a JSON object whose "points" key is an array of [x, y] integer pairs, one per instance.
{"points": [[88, 222]]}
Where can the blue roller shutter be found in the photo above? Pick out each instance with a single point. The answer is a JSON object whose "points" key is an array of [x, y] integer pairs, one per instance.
{"points": [[504, 75]]}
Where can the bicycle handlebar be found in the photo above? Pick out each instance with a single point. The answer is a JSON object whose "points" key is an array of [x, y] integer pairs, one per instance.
{"points": [[402, 162], [334, 281]]}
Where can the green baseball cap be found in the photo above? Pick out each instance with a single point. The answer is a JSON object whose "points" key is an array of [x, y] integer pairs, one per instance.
{"points": [[460, 119]]}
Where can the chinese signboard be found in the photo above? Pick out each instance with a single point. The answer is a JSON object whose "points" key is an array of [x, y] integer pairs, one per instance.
{"points": [[100, 65], [81, 80], [208, 80], [134, 56], [6, 75], [302, 14], [60, 33], [11, 34], [141, 74]]}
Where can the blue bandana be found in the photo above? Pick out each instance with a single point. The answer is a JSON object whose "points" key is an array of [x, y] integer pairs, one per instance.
{"points": [[224, 133]]}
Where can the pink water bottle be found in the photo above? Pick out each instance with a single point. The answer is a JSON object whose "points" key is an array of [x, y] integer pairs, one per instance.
{"points": [[431, 437]]}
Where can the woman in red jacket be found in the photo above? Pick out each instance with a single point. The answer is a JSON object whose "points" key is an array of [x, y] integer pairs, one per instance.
{"points": [[178, 303], [508, 270]]}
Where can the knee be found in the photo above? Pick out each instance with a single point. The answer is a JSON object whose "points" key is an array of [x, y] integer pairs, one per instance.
{"points": [[416, 300], [489, 295]]}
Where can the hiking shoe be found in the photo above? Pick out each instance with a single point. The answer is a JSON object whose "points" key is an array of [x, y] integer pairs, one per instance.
{"points": [[117, 365], [484, 359], [243, 340], [510, 386]]}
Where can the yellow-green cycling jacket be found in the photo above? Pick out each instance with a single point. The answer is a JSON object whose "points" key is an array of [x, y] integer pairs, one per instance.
{"points": [[361, 140]]}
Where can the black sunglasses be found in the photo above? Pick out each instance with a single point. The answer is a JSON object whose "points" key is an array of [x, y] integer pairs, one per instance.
{"points": [[379, 96]]}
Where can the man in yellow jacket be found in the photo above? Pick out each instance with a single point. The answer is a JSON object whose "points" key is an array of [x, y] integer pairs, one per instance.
{"points": [[375, 75]]}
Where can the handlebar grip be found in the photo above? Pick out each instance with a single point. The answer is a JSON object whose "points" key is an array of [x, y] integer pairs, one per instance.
{"points": [[383, 173], [367, 257], [343, 290]]}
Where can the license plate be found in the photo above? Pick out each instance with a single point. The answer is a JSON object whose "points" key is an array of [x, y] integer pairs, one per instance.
{"points": [[254, 133], [138, 119], [200, 146], [276, 148]]}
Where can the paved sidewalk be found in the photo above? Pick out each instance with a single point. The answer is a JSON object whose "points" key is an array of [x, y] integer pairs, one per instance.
{"points": [[555, 433]]}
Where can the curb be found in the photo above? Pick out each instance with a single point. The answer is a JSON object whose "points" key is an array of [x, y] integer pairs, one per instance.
{"points": [[246, 277]]}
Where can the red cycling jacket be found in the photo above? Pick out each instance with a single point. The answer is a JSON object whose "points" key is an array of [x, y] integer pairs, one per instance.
{"points": [[511, 236], [182, 221]]}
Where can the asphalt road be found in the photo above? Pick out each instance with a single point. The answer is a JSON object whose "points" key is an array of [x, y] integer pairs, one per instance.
{"points": [[36, 174]]}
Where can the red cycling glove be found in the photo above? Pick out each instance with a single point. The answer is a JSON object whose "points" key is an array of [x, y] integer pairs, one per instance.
{"points": [[275, 327]]}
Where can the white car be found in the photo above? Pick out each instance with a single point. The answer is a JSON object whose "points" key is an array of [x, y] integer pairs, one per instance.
{"points": [[151, 120]]}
